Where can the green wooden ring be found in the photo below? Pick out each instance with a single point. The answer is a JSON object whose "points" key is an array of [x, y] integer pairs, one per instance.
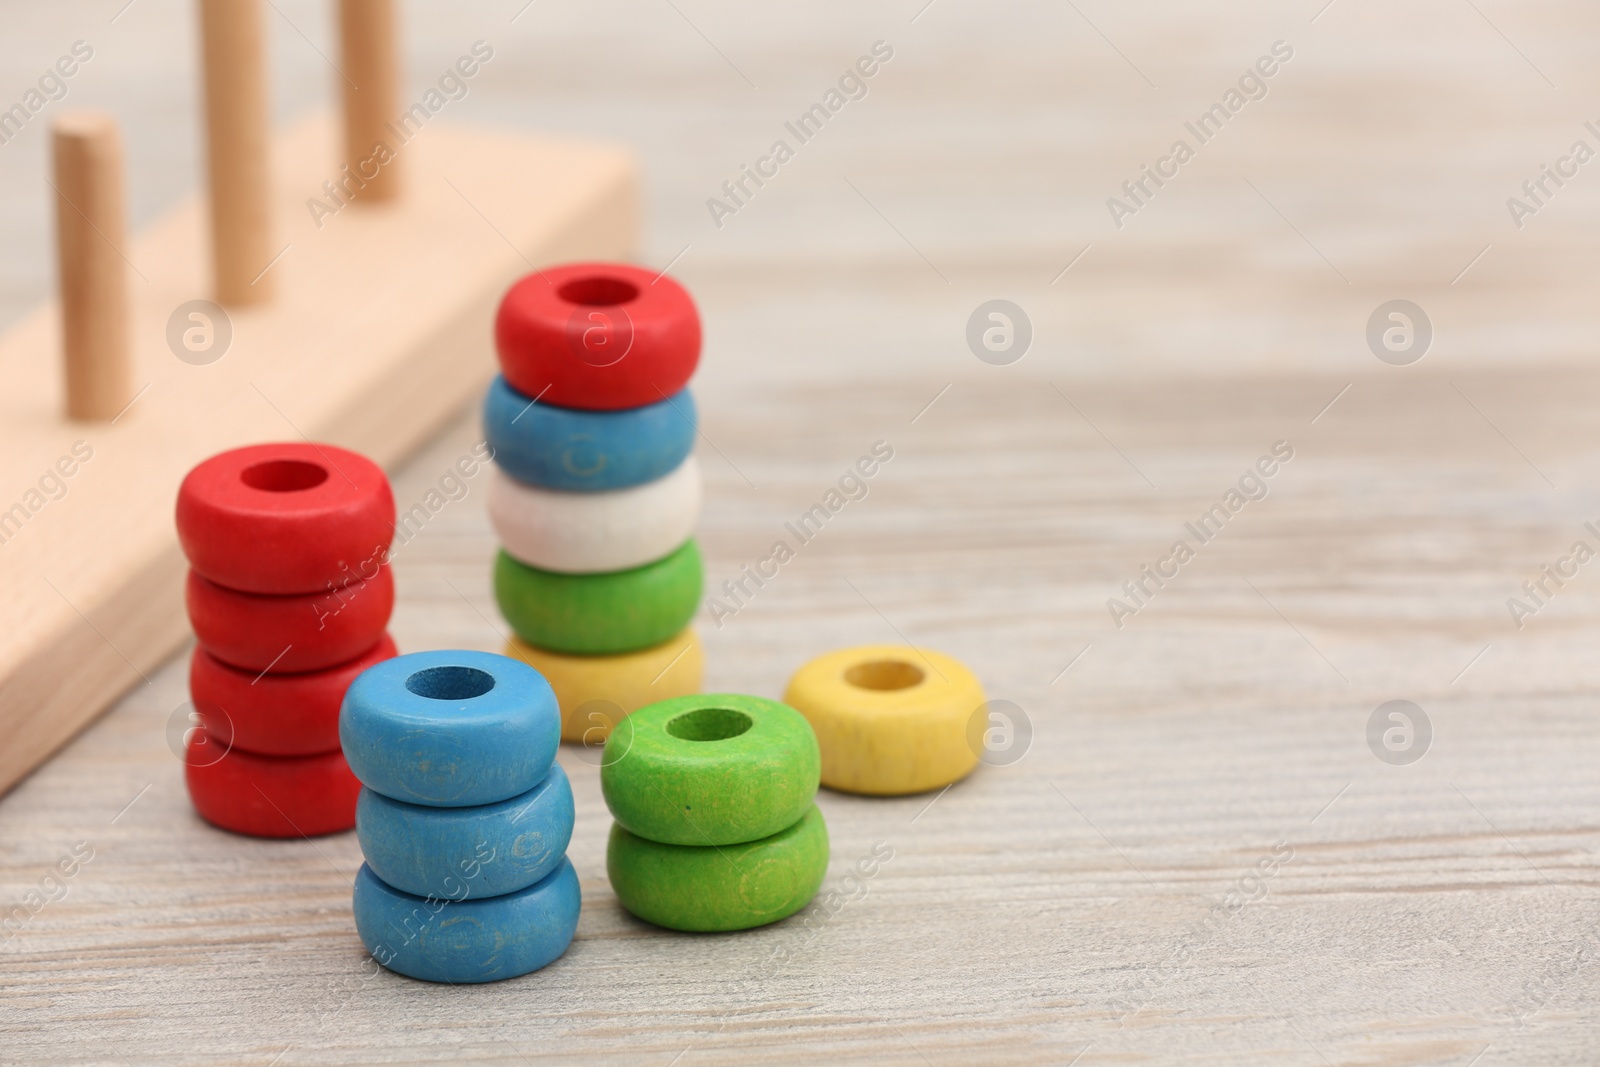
{"points": [[600, 614], [710, 769], [712, 889]]}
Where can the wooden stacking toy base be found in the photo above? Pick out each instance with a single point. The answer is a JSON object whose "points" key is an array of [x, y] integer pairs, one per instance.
{"points": [[375, 334]]}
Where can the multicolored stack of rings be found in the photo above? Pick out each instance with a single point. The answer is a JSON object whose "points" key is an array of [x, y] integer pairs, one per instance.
{"points": [[464, 817], [595, 494], [289, 594], [716, 822]]}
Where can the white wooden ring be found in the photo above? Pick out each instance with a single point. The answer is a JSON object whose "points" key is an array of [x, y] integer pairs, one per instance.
{"points": [[595, 533]]}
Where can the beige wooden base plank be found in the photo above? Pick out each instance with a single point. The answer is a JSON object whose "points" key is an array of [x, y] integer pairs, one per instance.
{"points": [[379, 330]]}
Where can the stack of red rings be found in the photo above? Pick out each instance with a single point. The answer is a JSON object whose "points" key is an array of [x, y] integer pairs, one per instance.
{"points": [[289, 594]]}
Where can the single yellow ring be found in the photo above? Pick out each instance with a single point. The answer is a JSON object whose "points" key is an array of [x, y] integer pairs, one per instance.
{"points": [[889, 719], [595, 692]]}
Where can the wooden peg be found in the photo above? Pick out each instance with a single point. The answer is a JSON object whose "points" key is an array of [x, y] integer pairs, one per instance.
{"points": [[91, 232], [367, 41], [238, 132]]}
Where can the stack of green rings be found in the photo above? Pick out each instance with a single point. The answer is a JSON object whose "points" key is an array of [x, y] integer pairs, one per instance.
{"points": [[717, 827]]}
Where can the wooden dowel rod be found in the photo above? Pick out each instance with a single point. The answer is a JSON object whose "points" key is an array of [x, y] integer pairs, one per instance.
{"points": [[91, 232], [367, 38], [238, 132]]}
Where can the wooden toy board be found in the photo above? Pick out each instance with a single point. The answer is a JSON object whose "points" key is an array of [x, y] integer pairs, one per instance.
{"points": [[381, 330], [1199, 859]]}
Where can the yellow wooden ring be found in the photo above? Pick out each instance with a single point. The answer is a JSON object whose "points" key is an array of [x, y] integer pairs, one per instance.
{"points": [[890, 719], [595, 692]]}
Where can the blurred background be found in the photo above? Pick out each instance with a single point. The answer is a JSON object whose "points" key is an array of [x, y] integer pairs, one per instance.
{"points": [[978, 165]]}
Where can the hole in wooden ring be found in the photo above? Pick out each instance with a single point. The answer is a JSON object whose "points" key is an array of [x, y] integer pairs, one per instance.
{"points": [[283, 476], [450, 683], [884, 675], [709, 724], [598, 291]]}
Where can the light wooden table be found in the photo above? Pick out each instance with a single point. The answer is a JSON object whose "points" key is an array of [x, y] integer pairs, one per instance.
{"points": [[1094, 901]]}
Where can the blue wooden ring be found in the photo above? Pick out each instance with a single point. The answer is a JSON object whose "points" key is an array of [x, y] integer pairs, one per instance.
{"points": [[438, 939], [587, 451], [450, 729], [485, 851]]}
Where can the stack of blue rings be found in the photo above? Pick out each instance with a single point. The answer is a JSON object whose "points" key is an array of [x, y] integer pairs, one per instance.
{"points": [[464, 817]]}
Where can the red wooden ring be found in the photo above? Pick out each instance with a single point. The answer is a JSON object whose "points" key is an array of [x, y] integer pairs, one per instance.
{"points": [[600, 336], [285, 518], [275, 714], [288, 634], [270, 796]]}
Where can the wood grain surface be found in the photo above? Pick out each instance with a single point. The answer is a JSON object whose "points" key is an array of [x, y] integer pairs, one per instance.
{"points": [[1199, 858]]}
